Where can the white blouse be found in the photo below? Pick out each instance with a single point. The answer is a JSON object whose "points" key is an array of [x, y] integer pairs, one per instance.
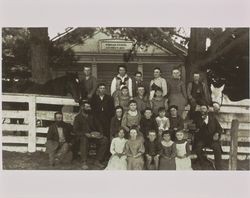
{"points": [[117, 145]]}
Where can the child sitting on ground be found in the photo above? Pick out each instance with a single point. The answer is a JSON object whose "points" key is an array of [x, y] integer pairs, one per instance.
{"points": [[167, 153], [182, 160], [152, 149], [148, 122], [118, 160], [162, 121]]}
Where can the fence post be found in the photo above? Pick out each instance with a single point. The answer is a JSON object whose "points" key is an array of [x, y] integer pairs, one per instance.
{"points": [[32, 124], [233, 145]]}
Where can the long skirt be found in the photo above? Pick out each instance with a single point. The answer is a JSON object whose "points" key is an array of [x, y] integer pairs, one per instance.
{"points": [[167, 164], [183, 164], [135, 163], [116, 163]]}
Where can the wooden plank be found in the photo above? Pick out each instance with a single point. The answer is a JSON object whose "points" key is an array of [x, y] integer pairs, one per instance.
{"points": [[232, 109], [226, 157], [228, 117], [242, 126], [32, 125], [15, 127], [14, 114], [49, 115], [42, 130], [226, 149], [227, 138], [21, 149], [41, 140], [234, 145], [241, 133], [14, 98], [56, 101], [39, 148], [14, 139]]}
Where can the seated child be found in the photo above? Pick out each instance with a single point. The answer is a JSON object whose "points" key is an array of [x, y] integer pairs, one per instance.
{"points": [[122, 98], [162, 121], [182, 160], [167, 153], [134, 150], [152, 149], [116, 121], [118, 160], [147, 122]]}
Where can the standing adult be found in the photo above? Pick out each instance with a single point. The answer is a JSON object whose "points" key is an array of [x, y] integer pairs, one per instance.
{"points": [[137, 81], [87, 128], [88, 84], [122, 79], [208, 135], [177, 91], [156, 83], [197, 93], [103, 108]]}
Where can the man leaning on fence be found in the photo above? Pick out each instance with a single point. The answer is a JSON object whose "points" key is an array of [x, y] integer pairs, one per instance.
{"points": [[58, 141]]}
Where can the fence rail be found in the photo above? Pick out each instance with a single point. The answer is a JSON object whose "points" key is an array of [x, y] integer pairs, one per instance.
{"points": [[34, 138]]}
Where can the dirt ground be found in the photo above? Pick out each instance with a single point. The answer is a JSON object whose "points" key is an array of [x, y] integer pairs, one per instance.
{"points": [[39, 161]]}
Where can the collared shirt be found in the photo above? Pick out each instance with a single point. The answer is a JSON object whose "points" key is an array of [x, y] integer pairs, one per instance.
{"points": [[206, 120], [60, 134], [124, 80]]}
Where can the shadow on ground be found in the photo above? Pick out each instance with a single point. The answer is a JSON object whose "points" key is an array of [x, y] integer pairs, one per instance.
{"points": [[39, 161]]}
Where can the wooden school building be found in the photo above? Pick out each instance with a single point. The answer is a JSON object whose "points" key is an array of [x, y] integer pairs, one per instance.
{"points": [[104, 53]]}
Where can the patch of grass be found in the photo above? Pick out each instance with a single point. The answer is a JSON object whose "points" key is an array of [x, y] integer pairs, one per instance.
{"points": [[39, 161]]}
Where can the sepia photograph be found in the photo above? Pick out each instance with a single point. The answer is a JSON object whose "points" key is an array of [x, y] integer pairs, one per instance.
{"points": [[125, 98]]}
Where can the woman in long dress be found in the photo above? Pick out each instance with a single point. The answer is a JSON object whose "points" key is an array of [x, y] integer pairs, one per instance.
{"points": [[157, 82], [167, 153], [177, 92], [118, 160], [134, 150]]}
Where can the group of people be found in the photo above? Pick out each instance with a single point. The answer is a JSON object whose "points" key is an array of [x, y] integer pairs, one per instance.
{"points": [[137, 126]]}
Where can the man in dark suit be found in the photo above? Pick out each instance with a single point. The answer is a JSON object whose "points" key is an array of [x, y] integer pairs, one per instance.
{"points": [[87, 128], [208, 135], [59, 140], [103, 108]]}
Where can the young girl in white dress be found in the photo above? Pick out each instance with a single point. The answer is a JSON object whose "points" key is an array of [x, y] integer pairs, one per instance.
{"points": [[182, 159], [118, 160]]}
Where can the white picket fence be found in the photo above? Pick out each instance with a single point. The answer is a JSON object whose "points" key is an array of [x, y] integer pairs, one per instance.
{"points": [[30, 142], [34, 142]]}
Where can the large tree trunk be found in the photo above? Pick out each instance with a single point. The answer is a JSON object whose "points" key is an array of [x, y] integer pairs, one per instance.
{"points": [[39, 55], [196, 52]]}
